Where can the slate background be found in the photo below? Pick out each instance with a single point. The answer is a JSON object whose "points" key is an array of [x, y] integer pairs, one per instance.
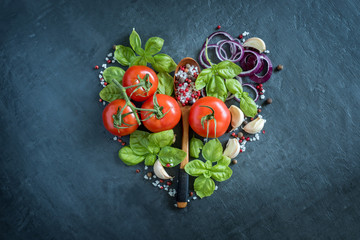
{"points": [[60, 177]]}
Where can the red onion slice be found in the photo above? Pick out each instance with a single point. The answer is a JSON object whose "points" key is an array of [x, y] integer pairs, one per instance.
{"points": [[239, 51], [255, 68], [266, 63], [218, 33], [253, 88], [202, 58]]}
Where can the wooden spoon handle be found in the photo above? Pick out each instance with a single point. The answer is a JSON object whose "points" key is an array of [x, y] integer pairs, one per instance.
{"points": [[183, 184], [185, 137]]}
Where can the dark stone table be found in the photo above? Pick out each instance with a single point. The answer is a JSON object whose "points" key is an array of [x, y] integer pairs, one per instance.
{"points": [[60, 177]]}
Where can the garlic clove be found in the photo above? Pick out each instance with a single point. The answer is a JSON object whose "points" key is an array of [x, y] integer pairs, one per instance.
{"points": [[237, 117], [255, 126], [256, 43], [232, 148], [160, 171]]}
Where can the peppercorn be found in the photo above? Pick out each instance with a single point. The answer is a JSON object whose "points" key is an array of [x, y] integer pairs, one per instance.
{"points": [[109, 61], [96, 67], [241, 36], [100, 100], [234, 161], [137, 170], [279, 67], [149, 174], [259, 110], [191, 194], [240, 134], [248, 139], [269, 101], [218, 27]]}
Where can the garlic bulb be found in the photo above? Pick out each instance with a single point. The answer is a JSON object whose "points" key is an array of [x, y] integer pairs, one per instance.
{"points": [[237, 117], [232, 148], [160, 171], [255, 126]]}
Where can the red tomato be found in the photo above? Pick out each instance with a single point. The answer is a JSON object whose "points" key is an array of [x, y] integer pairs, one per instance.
{"points": [[108, 119], [222, 116], [171, 118], [131, 77]]}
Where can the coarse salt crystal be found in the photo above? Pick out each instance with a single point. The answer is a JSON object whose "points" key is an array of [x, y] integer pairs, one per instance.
{"points": [[194, 197], [100, 76], [115, 138], [216, 188], [104, 65], [110, 55], [146, 167], [106, 58], [104, 103], [262, 97], [113, 61], [263, 90]]}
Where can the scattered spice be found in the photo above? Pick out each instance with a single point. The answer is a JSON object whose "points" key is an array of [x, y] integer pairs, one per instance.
{"points": [[259, 110], [96, 67], [234, 161], [191, 194], [279, 67], [137, 170], [240, 134], [241, 36], [245, 122], [100, 100], [149, 174], [263, 131], [218, 27], [269, 101]]}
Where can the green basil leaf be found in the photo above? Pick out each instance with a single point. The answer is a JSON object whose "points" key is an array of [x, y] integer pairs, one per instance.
{"points": [[208, 164], [150, 59], [110, 93], [162, 139], [154, 45], [234, 86], [195, 168], [127, 155], [225, 161], [150, 159], [138, 60], [207, 174], [124, 55], [203, 186], [153, 148], [163, 63], [247, 105], [139, 142], [228, 69], [140, 51], [195, 146], [203, 78], [216, 88], [166, 83], [212, 150], [135, 40], [171, 155], [113, 73], [220, 172]]}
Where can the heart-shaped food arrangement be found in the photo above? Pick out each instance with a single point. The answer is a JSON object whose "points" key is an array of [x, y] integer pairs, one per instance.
{"points": [[147, 94]]}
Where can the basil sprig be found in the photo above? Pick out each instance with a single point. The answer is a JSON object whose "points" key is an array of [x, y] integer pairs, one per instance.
{"points": [[247, 104], [150, 146], [205, 172], [126, 56]]}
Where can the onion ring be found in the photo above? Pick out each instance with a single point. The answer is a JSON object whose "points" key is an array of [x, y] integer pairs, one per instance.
{"points": [[261, 79], [255, 68]]}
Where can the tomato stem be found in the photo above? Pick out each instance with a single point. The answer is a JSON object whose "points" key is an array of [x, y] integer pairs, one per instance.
{"points": [[207, 119]]}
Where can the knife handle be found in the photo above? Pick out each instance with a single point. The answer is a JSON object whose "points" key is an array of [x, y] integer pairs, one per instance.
{"points": [[183, 188]]}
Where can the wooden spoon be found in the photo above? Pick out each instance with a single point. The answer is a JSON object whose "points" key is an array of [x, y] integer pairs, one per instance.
{"points": [[183, 184]]}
